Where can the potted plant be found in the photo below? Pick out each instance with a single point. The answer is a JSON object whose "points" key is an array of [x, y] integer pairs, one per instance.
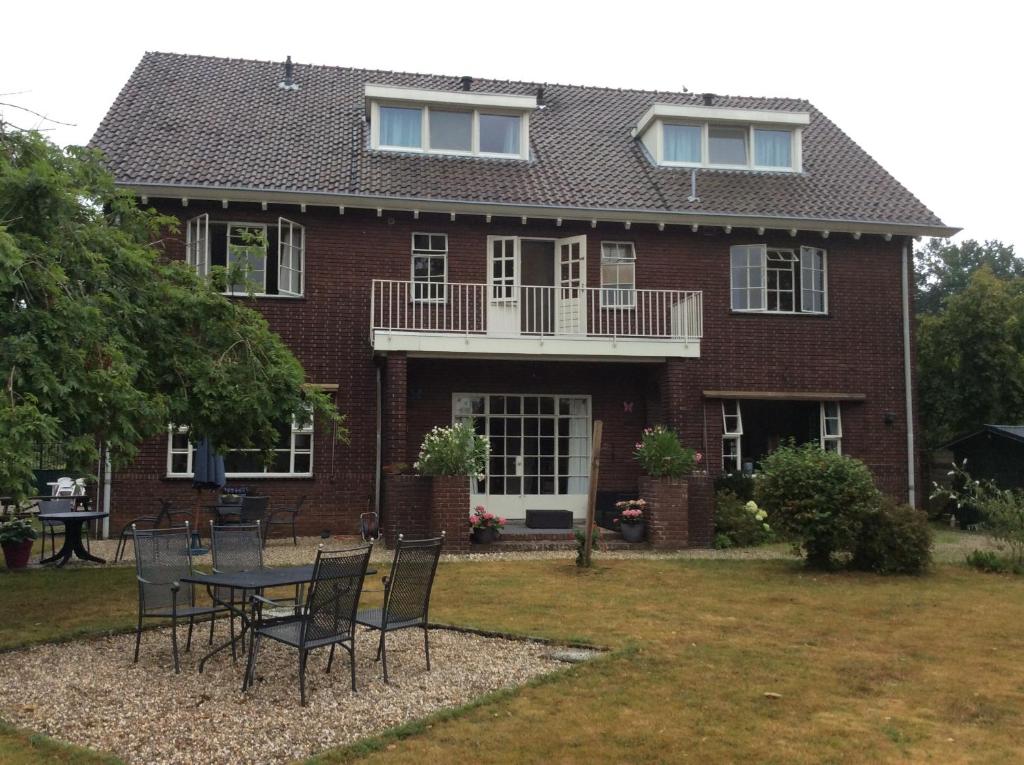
{"points": [[631, 519], [667, 465], [485, 527], [450, 455], [16, 538]]}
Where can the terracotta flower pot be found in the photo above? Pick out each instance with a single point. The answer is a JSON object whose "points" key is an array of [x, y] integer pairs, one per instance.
{"points": [[16, 554]]}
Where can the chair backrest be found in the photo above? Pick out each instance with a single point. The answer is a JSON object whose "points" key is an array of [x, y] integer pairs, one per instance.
{"points": [[49, 505], [253, 509], [238, 547], [411, 579], [333, 596], [64, 487], [162, 557]]}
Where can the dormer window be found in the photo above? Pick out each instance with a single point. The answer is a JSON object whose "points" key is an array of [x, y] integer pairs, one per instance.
{"points": [[719, 137], [458, 122]]}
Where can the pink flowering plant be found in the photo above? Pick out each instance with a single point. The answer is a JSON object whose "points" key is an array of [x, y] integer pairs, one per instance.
{"points": [[631, 511], [481, 519], [661, 454]]}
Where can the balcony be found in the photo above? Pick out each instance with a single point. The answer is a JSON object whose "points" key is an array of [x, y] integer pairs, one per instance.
{"points": [[533, 321]]}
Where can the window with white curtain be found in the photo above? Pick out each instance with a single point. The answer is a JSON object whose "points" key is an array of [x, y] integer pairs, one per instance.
{"points": [[618, 275], [247, 250], [778, 280], [447, 130], [429, 267], [831, 427], [732, 436], [722, 144]]}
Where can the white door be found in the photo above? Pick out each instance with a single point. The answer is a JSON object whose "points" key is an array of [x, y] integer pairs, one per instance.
{"points": [[502, 285], [571, 281]]}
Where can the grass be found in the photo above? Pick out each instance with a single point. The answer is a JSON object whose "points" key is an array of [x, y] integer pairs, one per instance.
{"points": [[868, 669]]}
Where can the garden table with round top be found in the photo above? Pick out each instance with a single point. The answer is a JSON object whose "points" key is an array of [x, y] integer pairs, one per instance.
{"points": [[73, 523]]}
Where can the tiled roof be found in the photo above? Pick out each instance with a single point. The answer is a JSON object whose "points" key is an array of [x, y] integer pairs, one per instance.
{"points": [[1012, 432], [224, 123]]}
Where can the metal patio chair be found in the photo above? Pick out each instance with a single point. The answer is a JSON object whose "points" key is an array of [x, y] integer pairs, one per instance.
{"points": [[328, 618], [166, 514], [406, 594], [283, 516], [55, 504], [237, 547], [162, 558]]}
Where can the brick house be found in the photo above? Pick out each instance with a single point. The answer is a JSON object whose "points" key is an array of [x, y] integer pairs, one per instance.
{"points": [[530, 258]]}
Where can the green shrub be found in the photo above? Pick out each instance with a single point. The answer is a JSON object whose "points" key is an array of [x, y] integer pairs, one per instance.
{"points": [[581, 538], [739, 523], [893, 539], [455, 450], [817, 498], [17, 530], [661, 454], [739, 484], [988, 561], [1000, 512]]}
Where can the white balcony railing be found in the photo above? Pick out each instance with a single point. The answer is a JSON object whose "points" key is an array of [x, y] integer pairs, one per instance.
{"points": [[533, 311]]}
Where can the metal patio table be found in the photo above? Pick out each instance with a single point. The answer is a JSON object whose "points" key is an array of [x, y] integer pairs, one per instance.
{"points": [[253, 581], [73, 523]]}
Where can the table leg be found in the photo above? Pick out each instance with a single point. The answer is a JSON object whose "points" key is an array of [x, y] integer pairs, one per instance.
{"points": [[231, 642], [72, 546], [79, 549]]}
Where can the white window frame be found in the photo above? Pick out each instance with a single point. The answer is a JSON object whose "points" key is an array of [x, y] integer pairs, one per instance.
{"points": [[227, 257], [830, 411], [629, 263], [798, 300], [732, 433], [295, 262], [298, 429], [773, 257], [197, 243], [425, 148], [795, 149], [429, 254], [761, 251], [808, 291]]}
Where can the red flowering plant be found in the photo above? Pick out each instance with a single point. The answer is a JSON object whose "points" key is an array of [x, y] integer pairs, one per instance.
{"points": [[481, 519], [631, 511]]}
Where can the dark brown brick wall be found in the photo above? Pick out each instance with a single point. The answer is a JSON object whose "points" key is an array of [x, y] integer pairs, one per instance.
{"points": [[405, 506], [857, 348], [449, 511], [668, 525]]}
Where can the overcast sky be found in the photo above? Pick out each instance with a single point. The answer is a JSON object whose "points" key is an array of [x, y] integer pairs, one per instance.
{"points": [[930, 91]]}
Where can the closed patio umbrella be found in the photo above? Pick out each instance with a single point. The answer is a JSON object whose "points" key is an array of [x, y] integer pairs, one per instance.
{"points": [[207, 473]]}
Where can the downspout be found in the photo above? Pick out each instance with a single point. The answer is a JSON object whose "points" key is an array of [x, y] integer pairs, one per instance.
{"points": [[376, 477], [908, 381], [107, 480]]}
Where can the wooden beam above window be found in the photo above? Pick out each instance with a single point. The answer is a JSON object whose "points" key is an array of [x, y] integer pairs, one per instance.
{"points": [[326, 387], [777, 395]]}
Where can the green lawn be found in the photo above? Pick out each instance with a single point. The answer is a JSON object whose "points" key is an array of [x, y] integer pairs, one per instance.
{"points": [[869, 669]]}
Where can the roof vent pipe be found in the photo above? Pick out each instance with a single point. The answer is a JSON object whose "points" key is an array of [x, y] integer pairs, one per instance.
{"points": [[467, 82], [693, 188], [709, 99], [289, 76], [540, 97]]}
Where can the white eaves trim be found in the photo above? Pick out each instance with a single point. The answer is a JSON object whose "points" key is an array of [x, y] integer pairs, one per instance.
{"points": [[720, 114], [537, 212], [450, 97]]}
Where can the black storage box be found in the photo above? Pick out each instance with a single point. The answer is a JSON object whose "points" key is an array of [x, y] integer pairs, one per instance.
{"points": [[548, 519]]}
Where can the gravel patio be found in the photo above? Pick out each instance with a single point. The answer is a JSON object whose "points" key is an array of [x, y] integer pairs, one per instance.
{"points": [[89, 693]]}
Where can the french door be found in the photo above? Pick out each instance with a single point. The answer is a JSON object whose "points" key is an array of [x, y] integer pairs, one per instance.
{"points": [[505, 289], [571, 277], [539, 451]]}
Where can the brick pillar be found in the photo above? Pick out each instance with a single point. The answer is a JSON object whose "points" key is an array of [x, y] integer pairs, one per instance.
{"points": [[670, 387], [395, 422], [701, 510], [449, 511], [406, 507], [668, 525]]}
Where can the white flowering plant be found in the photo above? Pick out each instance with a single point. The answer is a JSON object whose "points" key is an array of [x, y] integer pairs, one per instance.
{"points": [[453, 450], [739, 523]]}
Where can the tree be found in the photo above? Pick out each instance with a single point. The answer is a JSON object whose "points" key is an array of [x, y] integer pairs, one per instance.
{"points": [[104, 340], [943, 269], [971, 358]]}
